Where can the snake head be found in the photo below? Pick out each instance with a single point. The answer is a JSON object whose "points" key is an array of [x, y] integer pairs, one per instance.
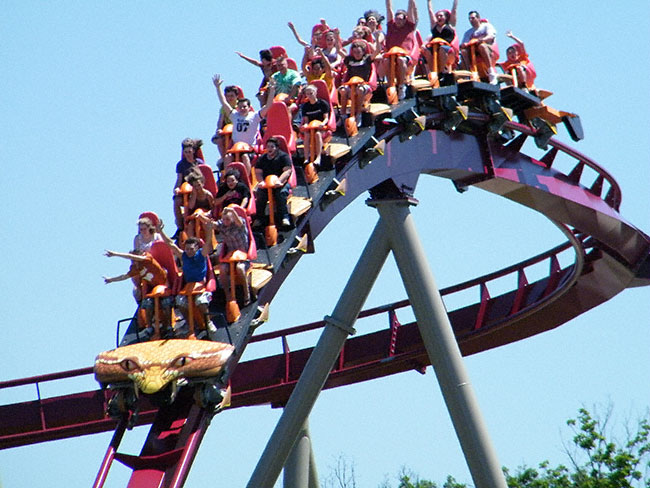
{"points": [[151, 366]]}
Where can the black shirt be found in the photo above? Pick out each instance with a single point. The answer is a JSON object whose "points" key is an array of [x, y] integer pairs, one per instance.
{"points": [[447, 33], [273, 166], [241, 192], [315, 111], [362, 67]]}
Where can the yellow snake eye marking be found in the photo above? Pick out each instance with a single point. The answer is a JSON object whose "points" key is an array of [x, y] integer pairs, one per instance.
{"points": [[129, 365], [181, 361]]}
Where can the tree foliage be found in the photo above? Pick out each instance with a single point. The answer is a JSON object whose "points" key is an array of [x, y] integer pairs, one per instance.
{"points": [[405, 482], [596, 460]]}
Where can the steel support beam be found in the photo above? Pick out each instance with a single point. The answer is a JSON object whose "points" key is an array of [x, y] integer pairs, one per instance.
{"points": [[313, 470], [321, 361], [440, 343], [300, 468]]}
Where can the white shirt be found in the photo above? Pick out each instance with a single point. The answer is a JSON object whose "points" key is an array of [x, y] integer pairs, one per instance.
{"points": [[244, 129], [483, 30]]}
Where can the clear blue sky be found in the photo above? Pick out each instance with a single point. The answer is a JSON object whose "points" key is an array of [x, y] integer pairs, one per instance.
{"points": [[96, 97]]}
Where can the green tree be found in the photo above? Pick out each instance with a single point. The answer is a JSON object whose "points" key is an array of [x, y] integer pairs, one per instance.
{"points": [[408, 479], [596, 460], [405, 482]]}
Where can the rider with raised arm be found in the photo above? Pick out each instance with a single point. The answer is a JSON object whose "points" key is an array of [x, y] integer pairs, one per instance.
{"points": [[146, 273], [232, 94], [483, 32], [265, 62], [317, 34], [443, 23], [144, 268], [517, 58], [316, 66], [245, 122], [267, 66], [400, 32], [360, 32]]}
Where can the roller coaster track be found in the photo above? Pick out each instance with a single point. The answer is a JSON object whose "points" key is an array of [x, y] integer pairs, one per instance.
{"points": [[609, 255]]}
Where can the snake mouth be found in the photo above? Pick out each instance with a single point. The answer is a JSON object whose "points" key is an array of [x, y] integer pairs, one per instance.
{"points": [[162, 396]]}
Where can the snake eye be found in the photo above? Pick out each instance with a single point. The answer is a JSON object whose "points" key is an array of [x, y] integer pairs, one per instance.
{"points": [[129, 365], [181, 361]]}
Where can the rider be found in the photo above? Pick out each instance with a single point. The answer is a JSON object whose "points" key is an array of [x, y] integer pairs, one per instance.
{"points": [[146, 273], [232, 191], [188, 162], [232, 94], [317, 34], [233, 236], [278, 163], [487, 49], [200, 198], [358, 63], [333, 49], [245, 122], [267, 65], [401, 32], [195, 268], [360, 32], [373, 20], [517, 58], [442, 27], [286, 80], [146, 235], [314, 109], [315, 66]]}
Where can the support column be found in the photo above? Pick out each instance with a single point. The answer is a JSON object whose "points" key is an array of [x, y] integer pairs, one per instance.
{"points": [[300, 469], [440, 342], [313, 470], [296, 469], [322, 359]]}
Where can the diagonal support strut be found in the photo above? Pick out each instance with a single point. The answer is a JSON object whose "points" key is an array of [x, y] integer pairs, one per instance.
{"points": [[440, 343], [321, 361], [394, 231]]}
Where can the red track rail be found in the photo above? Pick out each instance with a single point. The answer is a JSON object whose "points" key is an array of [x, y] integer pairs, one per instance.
{"points": [[270, 379], [613, 197], [605, 247]]}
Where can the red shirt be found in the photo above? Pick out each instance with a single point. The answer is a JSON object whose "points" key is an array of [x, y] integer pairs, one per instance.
{"points": [[403, 37]]}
